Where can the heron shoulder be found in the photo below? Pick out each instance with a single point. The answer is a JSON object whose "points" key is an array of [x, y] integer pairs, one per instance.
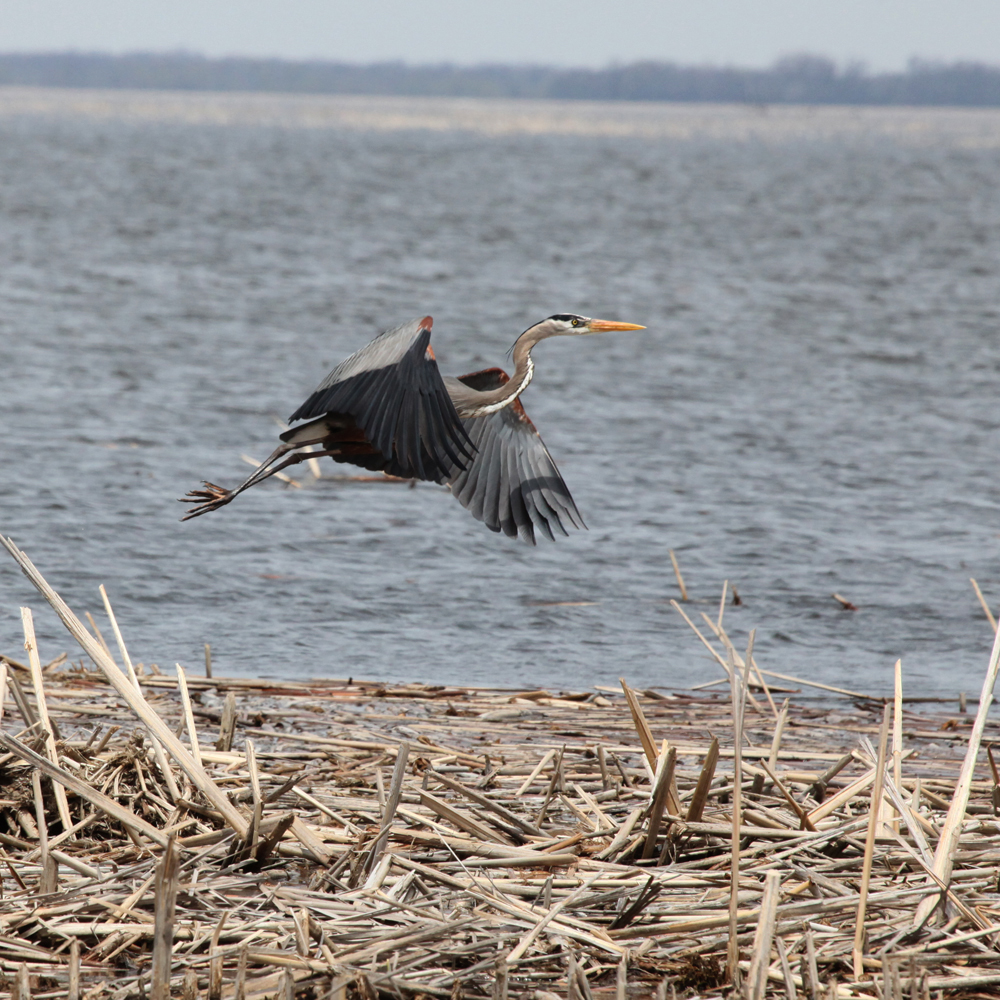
{"points": [[388, 348]]}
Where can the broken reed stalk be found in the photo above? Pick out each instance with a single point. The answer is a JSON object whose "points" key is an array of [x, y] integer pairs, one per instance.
{"points": [[641, 725], [720, 633], [487, 803], [189, 722], [621, 979], [133, 698], [161, 758], [791, 993], [27, 713], [677, 573], [846, 692], [441, 906], [31, 645], [983, 604], [22, 984], [763, 684], [944, 856], [873, 824], [799, 811], [227, 725], [718, 659], [163, 928], [73, 978], [536, 771], [897, 731], [97, 632], [738, 698], [715, 654], [658, 797], [45, 884], [257, 799], [760, 962], [391, 805], [216, 963], [779, 730], [699, 798]]}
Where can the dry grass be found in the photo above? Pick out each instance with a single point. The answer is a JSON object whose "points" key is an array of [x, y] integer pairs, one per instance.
{"points": [[260, 838]]}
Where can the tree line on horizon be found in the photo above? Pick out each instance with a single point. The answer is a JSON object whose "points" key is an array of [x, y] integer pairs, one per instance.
{"points": [[802, 79]]}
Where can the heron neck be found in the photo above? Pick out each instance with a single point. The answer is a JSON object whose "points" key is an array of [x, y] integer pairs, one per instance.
{"points": [[524, 368]]}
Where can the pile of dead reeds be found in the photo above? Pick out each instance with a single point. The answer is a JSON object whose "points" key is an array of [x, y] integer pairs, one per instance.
{"points": [[173, 835]]}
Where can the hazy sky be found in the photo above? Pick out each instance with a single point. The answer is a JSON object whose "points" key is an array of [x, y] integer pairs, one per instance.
{"points": [[882, 33]]}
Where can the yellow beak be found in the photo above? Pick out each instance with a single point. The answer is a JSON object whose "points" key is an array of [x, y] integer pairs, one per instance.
{"points": [[603, 325]]}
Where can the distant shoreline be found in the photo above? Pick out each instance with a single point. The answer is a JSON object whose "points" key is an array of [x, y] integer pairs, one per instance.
{"points": [[955, 127], [795, 80]]}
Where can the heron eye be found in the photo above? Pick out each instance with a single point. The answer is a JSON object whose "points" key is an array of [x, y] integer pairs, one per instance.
{"points": [[576, 322]]}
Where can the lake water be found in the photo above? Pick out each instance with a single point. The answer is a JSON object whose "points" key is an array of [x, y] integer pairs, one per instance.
{"points": [[813, 407]]}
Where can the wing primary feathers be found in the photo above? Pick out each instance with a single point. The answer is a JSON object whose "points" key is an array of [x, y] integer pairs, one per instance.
{"points": [[506, 485], [441, 410], [407, 434], [394, 392], [487, 485], [512, 484], [520, 500]]}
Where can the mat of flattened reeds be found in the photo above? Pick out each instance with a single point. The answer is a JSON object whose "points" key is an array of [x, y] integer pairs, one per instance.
{"points": [[170, 835]]}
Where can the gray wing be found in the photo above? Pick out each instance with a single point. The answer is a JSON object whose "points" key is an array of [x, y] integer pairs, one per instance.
{"points": [[512, 484], [394, 393]]}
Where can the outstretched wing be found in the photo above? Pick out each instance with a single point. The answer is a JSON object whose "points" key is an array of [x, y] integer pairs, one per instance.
{"points": [[512, 484], [393, 393]]}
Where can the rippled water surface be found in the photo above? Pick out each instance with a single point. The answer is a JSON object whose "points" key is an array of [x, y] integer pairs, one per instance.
{"points": [[813, 407]]}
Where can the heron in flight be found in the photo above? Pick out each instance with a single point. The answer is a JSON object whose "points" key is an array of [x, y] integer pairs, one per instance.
{"points": [[387, 408]]}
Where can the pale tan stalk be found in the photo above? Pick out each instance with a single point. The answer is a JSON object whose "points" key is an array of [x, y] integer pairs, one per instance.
{"points": [[165, 896], [161, 757], [983, 604], [31, 645], [763, 937], [739, 688], [944, 856], [127, 691], [897, 733], [677, 573], [188, 715], [873, 822]]}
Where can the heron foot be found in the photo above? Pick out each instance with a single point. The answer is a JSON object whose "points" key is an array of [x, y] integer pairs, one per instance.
{"points": [[211, 498]]}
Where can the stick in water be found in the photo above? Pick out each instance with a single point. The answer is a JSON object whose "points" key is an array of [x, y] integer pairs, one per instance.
{"points": [[677, 573]]}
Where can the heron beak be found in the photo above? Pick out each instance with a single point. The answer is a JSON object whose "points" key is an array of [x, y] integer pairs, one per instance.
{"points": [[604, 325]]}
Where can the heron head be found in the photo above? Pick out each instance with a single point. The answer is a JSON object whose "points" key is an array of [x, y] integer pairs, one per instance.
{"points": [[569, 324]]}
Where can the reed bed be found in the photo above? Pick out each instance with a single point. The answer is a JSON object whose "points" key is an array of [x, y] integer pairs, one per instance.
{"points": [[167, 834]]}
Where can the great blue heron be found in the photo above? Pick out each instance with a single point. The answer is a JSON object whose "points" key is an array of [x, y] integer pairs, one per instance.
{"points": [[387, 408]]}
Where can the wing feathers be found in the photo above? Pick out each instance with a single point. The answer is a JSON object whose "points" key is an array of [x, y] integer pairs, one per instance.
{"points": [[394, 391], [393, 412], [512, 485]]}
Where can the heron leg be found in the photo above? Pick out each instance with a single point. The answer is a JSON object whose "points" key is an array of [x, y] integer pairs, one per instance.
{"points": [[302, 456], [213, 497]]}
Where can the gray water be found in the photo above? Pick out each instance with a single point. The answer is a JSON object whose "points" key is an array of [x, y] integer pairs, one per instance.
{"points": [[811, 409]]}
